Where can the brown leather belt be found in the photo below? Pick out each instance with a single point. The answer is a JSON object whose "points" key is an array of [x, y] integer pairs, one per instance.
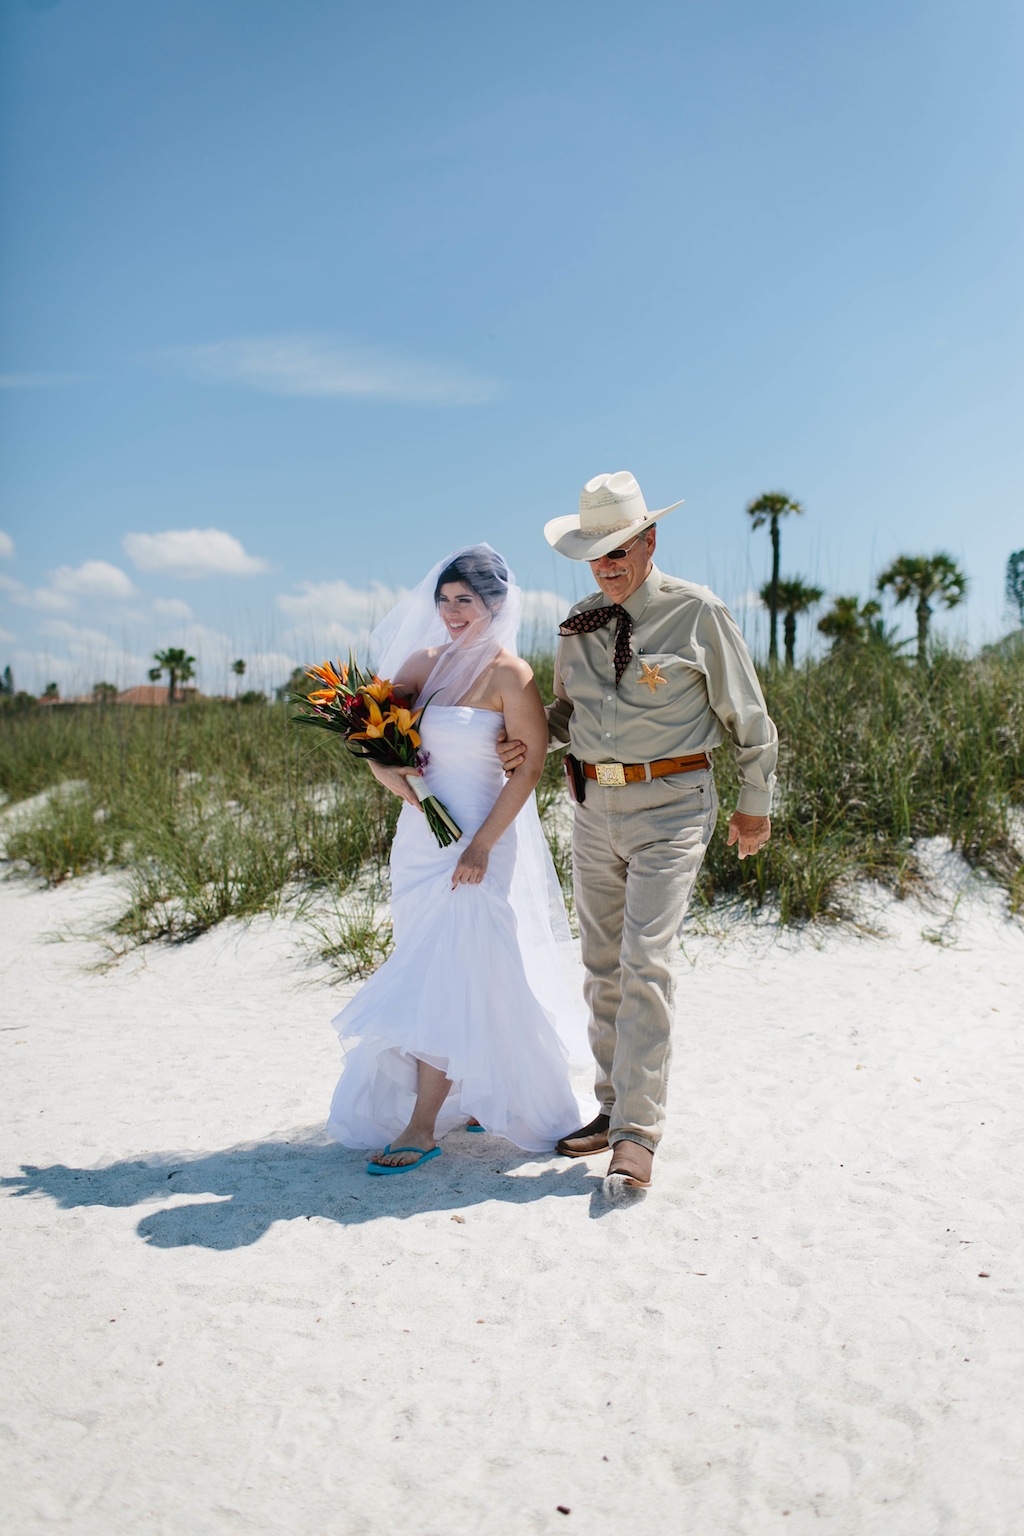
{"points": [[613, 775]]}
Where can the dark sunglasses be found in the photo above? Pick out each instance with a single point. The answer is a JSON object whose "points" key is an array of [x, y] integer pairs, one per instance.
{"points": [[618, 554]]}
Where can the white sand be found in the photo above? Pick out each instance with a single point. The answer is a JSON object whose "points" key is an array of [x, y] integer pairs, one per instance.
{"points": [[213, 1321]]}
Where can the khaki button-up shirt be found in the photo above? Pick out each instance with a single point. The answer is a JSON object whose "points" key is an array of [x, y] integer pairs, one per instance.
{"points": [[702, 687]]}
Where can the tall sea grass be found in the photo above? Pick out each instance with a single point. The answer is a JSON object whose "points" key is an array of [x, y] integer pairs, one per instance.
{"points": [[874, 755], [214, 810]]}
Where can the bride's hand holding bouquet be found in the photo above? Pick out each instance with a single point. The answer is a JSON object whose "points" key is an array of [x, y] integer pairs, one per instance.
{"points": [[377, 723]]}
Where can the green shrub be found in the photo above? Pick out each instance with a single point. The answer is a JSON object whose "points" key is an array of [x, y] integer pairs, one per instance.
{"points": [[875, 754], [67, 836]]}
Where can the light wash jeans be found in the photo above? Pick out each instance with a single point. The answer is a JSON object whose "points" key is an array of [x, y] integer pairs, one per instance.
{"points": [[636, 851]]}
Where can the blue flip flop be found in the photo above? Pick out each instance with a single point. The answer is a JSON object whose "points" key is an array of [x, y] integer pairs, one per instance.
{"points": [[424, 1157], [476, 1130]]}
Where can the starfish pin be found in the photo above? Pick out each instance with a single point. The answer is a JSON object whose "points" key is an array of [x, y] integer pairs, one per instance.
{"points": [[652, 676]]}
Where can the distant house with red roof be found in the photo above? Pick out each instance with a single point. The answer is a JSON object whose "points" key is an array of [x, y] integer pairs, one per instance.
{"points": [[154, 693], [146, 694]]}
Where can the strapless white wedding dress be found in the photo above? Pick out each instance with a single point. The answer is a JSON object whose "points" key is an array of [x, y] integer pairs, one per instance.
{"points": [[474, 985]]}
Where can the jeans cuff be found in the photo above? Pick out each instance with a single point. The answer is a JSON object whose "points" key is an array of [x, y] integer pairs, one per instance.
{"points": [[641, 1141]]}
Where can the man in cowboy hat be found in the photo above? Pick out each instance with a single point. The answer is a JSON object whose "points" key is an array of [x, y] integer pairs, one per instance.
{"points": [[651, 673]]}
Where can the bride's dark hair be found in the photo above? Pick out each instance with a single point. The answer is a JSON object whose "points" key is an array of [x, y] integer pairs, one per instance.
{"points": [[483, 571]]}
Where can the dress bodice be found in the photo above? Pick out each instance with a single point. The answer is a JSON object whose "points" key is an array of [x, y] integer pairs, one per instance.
{"points": [[463, 769]]}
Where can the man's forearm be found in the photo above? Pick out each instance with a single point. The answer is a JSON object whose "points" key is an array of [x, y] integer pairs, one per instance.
{"points": [[559, 713], [734, 694]]}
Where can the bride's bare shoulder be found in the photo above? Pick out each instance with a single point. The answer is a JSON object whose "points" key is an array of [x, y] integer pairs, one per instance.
{"points": [[512, 670], [415, 669]]}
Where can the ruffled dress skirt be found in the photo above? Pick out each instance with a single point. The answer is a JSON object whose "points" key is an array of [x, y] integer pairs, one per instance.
{"points": [[454, 992]]}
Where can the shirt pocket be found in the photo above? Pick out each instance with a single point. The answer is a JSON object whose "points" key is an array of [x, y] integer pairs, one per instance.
{"points": [[661, 680]]}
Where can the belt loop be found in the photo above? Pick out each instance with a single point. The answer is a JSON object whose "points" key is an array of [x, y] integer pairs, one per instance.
{"points": [[647, 772]]}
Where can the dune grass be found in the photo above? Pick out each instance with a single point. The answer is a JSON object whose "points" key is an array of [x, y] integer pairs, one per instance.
{"points": [[875, 755], [214, 811]]}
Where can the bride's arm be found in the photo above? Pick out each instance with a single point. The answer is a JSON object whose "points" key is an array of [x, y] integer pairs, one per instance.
{"points": [[525, 721]]}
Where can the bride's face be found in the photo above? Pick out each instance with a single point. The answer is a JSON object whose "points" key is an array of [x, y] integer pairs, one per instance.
{"points": [[461, 610]]}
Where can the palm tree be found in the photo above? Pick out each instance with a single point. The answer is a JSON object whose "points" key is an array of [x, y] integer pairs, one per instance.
{"points": [[187, 670], [1014, 583], [922, 577], [177, 664], [768, 509], [297, 683], [848, 624], [793, 597], [238, 668]]}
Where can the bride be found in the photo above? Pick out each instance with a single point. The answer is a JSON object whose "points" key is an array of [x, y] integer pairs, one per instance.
{"points": [[471, 1017]]}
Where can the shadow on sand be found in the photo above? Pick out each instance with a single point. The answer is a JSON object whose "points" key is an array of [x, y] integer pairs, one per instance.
{"points": [[304, 1175]]}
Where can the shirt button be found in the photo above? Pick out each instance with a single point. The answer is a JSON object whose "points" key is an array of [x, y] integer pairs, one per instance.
{"points": [[608, 733], [607, 698]]}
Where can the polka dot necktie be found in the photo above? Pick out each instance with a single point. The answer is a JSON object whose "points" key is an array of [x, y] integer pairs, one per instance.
{"points": [[596, 618]]}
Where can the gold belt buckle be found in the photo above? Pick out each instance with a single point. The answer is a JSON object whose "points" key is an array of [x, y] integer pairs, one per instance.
{"points": [[611, 775]]}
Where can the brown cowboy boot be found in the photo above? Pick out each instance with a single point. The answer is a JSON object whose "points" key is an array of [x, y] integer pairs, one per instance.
{"points": [[631, 1165], [588, 1139]]}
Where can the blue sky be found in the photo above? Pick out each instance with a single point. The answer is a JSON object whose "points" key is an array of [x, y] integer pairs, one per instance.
{"points": [[300, 294]]}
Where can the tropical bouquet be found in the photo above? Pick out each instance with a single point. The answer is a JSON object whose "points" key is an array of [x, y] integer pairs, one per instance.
{"points": [[376, 722]]}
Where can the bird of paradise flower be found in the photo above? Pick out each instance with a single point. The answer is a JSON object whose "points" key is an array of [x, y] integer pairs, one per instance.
{"points": [[376, 722]]}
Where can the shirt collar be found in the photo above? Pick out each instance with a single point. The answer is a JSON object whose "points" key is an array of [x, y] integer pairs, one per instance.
{"points": [[637, 602]]}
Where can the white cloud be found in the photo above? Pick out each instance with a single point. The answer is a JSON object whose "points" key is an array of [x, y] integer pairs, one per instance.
{"points": [[265, 670], [310, 622], [48, 600], [191, 552], [201, 638], [76, 635], [6, 546], [307, 365], [172, 608], [77, 655], [88, 656], [331, 618], [749, 600], [6, 636], [335, 602], [542, 614], [94, 578]]}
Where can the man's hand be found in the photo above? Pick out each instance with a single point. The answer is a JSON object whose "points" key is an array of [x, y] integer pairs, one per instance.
{"points": [[512, 753], [750, 832]]}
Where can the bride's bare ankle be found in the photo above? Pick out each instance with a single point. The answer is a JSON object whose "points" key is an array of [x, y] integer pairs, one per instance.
{"points": [[417, 1135]]}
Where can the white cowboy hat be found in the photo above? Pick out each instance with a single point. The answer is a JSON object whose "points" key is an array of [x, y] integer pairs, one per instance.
{"points": [[612, 511]]}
